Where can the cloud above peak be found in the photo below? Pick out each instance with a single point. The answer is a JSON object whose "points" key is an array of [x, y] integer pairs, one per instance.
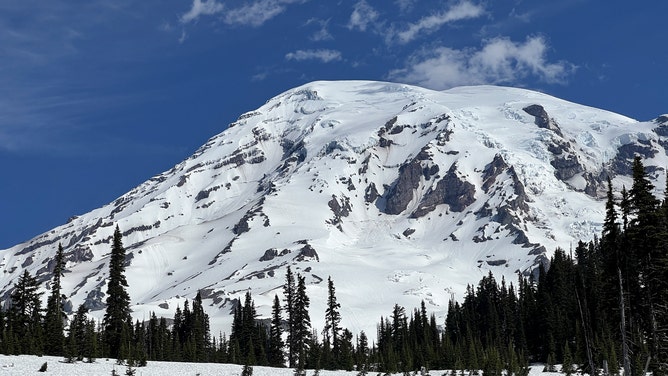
{"points": [[253, 13], [429, 24], [499, 61], [363, 15], [324, 55], [201, 8]]}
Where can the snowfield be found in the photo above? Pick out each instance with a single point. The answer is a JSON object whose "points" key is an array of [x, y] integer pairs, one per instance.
{"points": [[29, 365]]}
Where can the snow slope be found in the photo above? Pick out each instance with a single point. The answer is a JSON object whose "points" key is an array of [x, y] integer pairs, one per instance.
{"points": [[399, 193], [29, 365]]}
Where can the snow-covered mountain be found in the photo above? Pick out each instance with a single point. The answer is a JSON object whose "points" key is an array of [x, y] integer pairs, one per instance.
{"points": [[399, 193]]}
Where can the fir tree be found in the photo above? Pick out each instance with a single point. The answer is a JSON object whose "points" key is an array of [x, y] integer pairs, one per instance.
{"points": [[289, 293], [331, 332], [53, 320], [25, 319], [302, 322], [276, 356], [117, 314]]}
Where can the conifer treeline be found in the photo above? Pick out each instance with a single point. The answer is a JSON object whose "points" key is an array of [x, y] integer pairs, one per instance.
{"points": [[605, 302]]}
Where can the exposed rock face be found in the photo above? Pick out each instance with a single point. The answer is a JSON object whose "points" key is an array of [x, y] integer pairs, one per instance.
{"points": [[371, 193], [403, 190], [451, 190], [566, 167], [542, 118], [623, 161], [492, 171], [340, 210]]}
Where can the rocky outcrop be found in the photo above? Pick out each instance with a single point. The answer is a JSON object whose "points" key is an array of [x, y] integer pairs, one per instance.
{"points": [[566, 167], [340, 210], [403, 190], [623, 162], [492, 171], [542, 120], [371, 193], [451, 190]]}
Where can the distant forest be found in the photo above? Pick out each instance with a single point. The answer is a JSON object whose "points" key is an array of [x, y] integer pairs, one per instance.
{"points": [[600, 307]]}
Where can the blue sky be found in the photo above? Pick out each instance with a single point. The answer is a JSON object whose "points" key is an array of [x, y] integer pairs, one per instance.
{"points": [[97, 96]]}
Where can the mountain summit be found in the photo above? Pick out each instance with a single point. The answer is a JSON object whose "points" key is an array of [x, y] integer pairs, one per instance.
{"points": [[399, 193]]}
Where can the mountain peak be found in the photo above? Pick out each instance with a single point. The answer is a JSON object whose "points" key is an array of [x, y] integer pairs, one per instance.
{"points": [[399, 193]]}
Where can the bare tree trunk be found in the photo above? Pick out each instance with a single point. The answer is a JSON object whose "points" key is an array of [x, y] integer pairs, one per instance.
{"points": [[622, 310], [586, 335]]}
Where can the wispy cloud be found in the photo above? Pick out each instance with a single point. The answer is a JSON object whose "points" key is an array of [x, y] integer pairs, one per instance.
{"points": [[499, 61], [363, 15], [326, 56], [202, 8], [253, 13], [429, 24]]}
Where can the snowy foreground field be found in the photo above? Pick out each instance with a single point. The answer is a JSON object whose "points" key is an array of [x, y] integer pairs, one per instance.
{"points": [[29, 365]]}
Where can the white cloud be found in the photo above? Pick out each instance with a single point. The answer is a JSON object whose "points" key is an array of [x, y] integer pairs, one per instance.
{"points": [[199, 8], [325, 56], [499, 61], [254, 13], [461, 11], [363, 15]]}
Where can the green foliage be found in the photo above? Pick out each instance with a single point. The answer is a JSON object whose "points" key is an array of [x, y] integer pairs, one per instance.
{"points": [[117, 313], [53, 321], [24, 319]]}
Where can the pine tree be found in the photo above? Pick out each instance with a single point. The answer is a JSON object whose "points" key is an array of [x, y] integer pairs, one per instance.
{"points": [[90, 342], [276, 356], [331, 332], [25, 319], [201, 332], [53, 320], [362, 351], [302, 323], [117, 314], [289, 293]]}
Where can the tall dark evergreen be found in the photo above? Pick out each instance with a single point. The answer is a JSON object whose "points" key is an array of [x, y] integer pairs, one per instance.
{"points": [[76, 347], [248, 339], [276, 355], [25, 316], [302, 323], [55, 315], [289, 294], [117, 319], [332, 330]]}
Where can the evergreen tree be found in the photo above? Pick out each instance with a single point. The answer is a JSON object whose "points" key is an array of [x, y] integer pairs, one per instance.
{"points": [[200, 330], [54, 317], [290, 293], [90, 342], [331, 332], [276, 356], [362, 351], [24, 319], [117, 314], [302, 323]]}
